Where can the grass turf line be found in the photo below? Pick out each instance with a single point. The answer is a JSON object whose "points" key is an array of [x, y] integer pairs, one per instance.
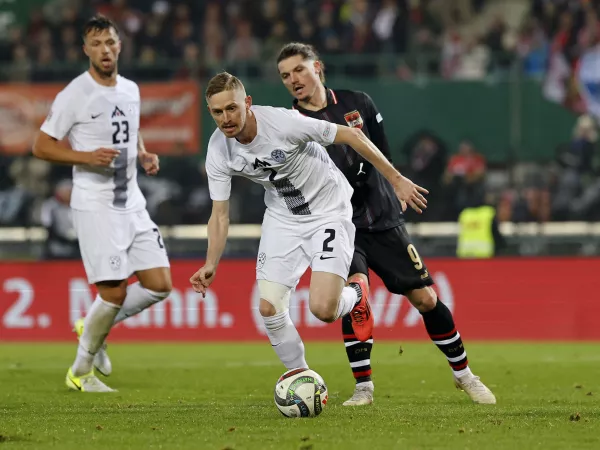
{"points": [[220, 396]]}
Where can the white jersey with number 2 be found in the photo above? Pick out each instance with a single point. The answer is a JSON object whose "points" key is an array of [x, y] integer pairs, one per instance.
{"points": [[94, 116], [287, 157]]}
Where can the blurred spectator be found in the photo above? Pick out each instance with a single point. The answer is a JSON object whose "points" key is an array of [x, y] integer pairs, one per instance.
{"points": [[244, 46], [533, 48], [391, 26], [479, 234], [472, 61], [578, 189], [56, 218], [426, 156], [463, 178]]}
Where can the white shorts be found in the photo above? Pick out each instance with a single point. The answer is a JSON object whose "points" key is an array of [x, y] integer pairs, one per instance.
{"points": [[287, 249], [114, 245]]}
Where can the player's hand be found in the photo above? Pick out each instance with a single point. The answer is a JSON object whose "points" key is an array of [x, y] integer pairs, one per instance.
{"points": [[103, 157], [149, 162], [411, 194], [202, 279]]}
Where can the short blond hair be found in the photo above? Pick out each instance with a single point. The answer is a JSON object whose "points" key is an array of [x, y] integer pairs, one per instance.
{"points": [[222, 82]]}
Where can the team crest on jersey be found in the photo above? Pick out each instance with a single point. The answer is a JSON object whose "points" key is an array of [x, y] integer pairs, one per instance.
{"points": [[262, 258], [115, 262], [354, 119], [117, 112], [278, 155]]}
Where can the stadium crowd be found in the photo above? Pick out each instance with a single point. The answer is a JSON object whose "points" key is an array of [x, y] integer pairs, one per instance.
{"points": [[190, 39]]}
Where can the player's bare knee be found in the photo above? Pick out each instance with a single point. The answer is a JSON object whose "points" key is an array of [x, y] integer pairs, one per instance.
{"points": [[423, 299], [163, 286], [323, 310], [113, 291], [156, 280]]}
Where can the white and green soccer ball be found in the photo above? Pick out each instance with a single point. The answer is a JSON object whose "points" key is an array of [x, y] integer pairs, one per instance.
{"points": [[300, 393]]}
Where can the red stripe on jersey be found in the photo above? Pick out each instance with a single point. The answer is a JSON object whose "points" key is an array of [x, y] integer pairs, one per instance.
{"points": [[333, 96]]}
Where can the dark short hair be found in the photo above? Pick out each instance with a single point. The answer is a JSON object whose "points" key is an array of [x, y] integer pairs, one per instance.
{"points": [[99, 23], [221, 82], [307, 51]]}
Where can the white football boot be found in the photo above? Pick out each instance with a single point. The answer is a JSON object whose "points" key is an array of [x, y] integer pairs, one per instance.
{"points": [[363, 395], [475, 389]]}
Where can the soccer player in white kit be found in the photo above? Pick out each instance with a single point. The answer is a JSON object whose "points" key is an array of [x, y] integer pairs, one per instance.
{"points": [[308, 220], [99, 111]]}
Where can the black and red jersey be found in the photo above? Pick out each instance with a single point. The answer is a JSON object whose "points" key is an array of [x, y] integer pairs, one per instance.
{"points": [[375, 204]]}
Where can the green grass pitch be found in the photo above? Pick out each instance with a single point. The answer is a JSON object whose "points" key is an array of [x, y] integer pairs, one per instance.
{"points": [[220, 396]]}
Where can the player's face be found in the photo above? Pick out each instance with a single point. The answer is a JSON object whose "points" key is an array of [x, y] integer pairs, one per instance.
{"points": [[229, 110], [300, 76], [103, 48]]}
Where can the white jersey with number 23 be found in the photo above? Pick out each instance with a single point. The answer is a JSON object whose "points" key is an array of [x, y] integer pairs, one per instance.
{"points": [[94, 116]]}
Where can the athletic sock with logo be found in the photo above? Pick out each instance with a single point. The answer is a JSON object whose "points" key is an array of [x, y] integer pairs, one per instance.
{"points": [[442, 331], [359, 353]]}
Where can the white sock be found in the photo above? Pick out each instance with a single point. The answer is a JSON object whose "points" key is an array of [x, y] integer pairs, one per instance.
{"points": [[138, 299], [366, 384], [347, 301], [96, 327], [285, 340], [464, 372]]}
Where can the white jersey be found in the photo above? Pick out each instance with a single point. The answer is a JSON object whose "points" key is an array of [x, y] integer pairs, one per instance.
{"points": [[287, 157], [94, 116]]}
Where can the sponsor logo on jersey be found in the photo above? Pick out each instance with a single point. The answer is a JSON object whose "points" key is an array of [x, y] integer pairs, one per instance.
{"points": [[278, 155], [117, 112], [353, 119]]}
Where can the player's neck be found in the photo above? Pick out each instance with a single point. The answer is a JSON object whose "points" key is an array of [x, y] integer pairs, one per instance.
{"points": [[249, 131], [103, 80], [316, 102]]}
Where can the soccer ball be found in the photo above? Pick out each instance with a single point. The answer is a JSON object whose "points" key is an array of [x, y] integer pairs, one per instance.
{"points": [[300, 393]]}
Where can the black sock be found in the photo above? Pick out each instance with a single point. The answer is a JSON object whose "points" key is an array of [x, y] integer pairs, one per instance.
{"points": [[442, 331], [359, 353], [358, 290]]}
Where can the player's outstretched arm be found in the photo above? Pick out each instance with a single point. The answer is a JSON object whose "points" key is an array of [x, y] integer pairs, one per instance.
{"points": [[218, 228], [50, 149], [405, 189]]}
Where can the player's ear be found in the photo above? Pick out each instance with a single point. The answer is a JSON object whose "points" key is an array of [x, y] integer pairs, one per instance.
{"points": [[318, 67], [248, 101]]}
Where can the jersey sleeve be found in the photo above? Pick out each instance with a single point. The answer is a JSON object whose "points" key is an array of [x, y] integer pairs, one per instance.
{"points": [[219, 176], [374, 123], [61, 117], [301, 129]]}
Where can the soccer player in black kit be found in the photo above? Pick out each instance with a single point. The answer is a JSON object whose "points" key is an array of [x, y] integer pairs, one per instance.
{"points": [[382, 242]]}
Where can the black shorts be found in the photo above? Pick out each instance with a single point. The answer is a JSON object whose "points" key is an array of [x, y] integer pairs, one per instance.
{"points": [[393, 257]]}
